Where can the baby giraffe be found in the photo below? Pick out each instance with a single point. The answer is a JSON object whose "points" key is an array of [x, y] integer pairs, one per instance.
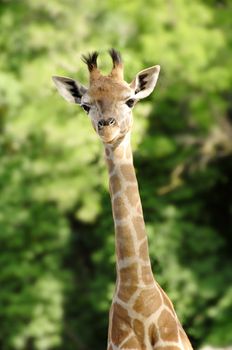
{"points": [[141, 316]]}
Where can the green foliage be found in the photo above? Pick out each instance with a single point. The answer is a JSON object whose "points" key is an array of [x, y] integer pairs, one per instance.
{"points": [[57, 265]]}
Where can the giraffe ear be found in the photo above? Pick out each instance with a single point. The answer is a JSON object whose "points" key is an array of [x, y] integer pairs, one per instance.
{"points": [[69, 89], [145, 82]]}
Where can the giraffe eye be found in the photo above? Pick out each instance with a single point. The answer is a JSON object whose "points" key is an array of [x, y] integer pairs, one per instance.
{"points": [[86, 108], [130, 103]]}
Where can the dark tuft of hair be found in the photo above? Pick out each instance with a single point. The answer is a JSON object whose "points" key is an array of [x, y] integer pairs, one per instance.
{"points": [[90, 60], [116, 57]]}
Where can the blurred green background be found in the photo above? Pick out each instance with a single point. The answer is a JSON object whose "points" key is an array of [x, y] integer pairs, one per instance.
{"points": [[57, 264]]}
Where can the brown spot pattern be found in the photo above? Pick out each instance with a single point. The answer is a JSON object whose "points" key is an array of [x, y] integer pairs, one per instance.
{"points": [[143, 251], [119, 208], [125, 294], [128, 172], [139, 227], [153, 334], [148, 302], [167, 327], [107, 152], [120, 324], [115, 183], [110, 165], [132, 343], [147, 275], [139, 331], [129, 275], [125, 242], [132, 194]]}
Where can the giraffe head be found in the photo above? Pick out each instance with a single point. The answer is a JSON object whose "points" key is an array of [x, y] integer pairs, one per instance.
{"points": [[108, 100]]}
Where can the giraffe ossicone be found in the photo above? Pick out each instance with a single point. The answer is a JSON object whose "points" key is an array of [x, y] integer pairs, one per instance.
{"points": [[141, 316]]}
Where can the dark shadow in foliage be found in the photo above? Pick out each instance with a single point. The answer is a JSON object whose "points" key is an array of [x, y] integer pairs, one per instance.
{"points": [[85, 321]]}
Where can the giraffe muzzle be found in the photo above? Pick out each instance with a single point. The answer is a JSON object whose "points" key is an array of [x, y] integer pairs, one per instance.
{"points": [[106, 122]]}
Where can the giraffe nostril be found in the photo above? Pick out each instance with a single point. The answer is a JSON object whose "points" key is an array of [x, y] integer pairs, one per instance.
{"points": [[111, 121], [101, 124]]}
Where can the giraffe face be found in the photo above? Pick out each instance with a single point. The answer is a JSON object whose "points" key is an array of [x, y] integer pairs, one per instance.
{"points": [[109, 105], [109, 99]]}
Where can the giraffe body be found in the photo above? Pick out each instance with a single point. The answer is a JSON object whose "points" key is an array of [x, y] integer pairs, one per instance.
{"points": [[141, 316]]}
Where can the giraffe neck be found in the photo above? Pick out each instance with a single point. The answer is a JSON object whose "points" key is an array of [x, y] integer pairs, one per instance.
{"points": [[132, 256]]}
